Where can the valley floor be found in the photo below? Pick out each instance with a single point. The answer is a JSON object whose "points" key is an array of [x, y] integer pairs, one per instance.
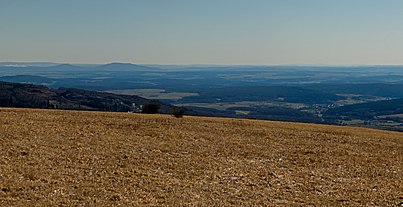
{"points": [[52, 158]]}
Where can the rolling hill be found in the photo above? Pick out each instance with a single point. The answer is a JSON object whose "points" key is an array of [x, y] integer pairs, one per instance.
{"points": [[77, 158], [369, 110], [39, 96]]}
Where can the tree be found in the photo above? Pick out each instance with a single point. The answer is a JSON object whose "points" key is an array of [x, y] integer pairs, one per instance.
{"points": [[178, 113], [151, 108]]}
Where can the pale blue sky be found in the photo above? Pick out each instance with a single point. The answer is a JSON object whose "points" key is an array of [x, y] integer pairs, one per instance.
{"points": [[257, 32]]}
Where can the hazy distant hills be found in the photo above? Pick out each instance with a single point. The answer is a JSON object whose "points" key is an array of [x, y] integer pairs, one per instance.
{"points": [[125, 67], [394, 90], [318, 94], [193, 77], [27, 79], [27, 64]]}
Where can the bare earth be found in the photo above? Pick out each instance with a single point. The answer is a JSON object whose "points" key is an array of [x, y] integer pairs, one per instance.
{"points": [[69, 158]]}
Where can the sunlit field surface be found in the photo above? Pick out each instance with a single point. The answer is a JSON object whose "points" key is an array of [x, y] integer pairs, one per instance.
{"points": [[70, 158]]}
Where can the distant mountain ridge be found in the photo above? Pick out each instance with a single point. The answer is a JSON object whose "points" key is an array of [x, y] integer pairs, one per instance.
{"points": [[27, 64], [113, 65], [126, 67]]}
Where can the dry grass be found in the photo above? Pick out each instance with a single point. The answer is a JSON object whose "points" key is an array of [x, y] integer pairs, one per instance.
{"points": [[68, 158]]}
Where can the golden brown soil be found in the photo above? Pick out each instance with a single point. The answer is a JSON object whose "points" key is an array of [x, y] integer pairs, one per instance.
{"points": [[69, 158]]}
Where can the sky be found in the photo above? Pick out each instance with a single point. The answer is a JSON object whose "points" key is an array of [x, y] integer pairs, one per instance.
{"points": [[228, 32]]}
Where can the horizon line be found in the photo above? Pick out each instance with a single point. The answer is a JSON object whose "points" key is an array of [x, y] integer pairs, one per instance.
{"points": [[196, 64]]}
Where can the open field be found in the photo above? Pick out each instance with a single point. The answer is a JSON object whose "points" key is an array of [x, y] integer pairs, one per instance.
{"points": [[225, 106], [154, 94], [391, 116], [70, 158]]}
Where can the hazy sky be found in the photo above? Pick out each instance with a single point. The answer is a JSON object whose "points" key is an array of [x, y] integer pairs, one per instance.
{"points": [[203, 31]]}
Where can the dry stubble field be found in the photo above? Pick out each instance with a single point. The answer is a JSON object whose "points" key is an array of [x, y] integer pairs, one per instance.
{"points": [[70, 158]]}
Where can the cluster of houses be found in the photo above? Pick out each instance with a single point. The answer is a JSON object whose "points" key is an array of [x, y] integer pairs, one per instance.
{"points": [[136, 108]]}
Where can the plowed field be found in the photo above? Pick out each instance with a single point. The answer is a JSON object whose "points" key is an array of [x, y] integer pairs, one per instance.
{"points": [[70, 158]]}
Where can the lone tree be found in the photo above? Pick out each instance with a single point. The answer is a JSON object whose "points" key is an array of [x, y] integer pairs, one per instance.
{"points": [[151, 108], [178, 113]]}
